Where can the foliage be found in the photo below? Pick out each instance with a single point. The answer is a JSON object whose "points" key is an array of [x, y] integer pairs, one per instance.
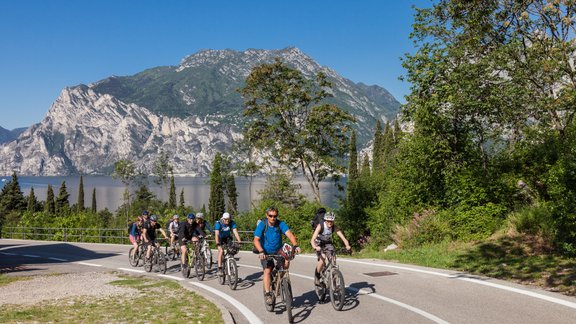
{"points": [[534, 220], [163, 169], [172, 194], [231, 195], [11, 199], [94, 207], [50, 205], [216, 202], [80, 204], [62, 203], [280, 188], [285, 117]]}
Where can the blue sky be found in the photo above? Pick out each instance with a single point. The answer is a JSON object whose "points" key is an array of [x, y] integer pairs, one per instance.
{"points": [[49, 45]]}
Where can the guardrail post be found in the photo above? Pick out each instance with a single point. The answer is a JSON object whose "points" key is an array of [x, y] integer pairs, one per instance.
{"points": [[65, 235]]}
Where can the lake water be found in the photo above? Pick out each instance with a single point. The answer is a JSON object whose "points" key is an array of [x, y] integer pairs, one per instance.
{"points": [[109, 192]]}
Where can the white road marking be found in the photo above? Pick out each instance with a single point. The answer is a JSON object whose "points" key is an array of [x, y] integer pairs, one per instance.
{"points": [[6, 253], [15, 246], [30, 255], [373, 295], [89, 264], [170, 277], [57, 259], [472, 280], [131, 270], [250, 316]]}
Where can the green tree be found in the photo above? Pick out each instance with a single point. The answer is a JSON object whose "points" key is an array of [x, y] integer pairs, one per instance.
{"points": [[163, 170], [12, 201], [287, 119], [94, 208], [280, 189], [125, 170], [172, 195], [365, 170], [353, 158], [62, 202], [216, 202], [80, 204], [182, 203], [32, 205], [50, 206], [377, 148], [231, 195]]}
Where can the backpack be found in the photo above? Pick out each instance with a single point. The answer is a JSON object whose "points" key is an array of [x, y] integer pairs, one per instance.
{"points": [[318, 217], [130, 227]]}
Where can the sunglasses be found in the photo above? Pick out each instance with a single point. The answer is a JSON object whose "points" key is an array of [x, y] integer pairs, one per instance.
{"points": [[273, 216]]}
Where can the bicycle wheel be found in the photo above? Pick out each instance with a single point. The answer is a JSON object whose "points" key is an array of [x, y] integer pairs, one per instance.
{"points": [[232, 272], [133, 257], [222, 273], [287, 295], [161, 258], [199, 267], [186, 268], [149, 263], [320, 290], [337, 290], [208, 257]]}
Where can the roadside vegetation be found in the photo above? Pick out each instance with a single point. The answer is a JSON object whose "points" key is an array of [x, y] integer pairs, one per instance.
{"points": [[155, 301], [476, 174]]}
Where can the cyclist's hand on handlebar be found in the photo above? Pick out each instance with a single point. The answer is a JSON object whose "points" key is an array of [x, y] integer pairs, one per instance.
{"points": [[298, 250], [317, 248]]}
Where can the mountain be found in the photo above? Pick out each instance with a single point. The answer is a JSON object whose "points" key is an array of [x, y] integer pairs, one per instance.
{"points": [[191, 111], [10, 135]]}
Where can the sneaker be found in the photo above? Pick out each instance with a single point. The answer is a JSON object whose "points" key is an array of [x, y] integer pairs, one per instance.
{"points": [[269, 298]]}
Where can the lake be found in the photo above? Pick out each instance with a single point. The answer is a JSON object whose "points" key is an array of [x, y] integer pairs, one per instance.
{"points": [[109, 192]]}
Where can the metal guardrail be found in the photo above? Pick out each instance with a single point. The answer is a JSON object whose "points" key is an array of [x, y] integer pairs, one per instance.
{"points": [[83, 235]]}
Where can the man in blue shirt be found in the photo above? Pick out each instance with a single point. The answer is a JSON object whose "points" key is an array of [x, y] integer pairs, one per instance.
{"points": [[268, 240]]}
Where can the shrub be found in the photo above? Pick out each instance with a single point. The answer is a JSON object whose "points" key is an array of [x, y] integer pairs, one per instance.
{"points": [[476, 223], [535, 220]]}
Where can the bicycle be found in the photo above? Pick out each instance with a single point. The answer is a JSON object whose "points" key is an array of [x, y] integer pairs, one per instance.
{"points": [[206, 251], [280, 285], [194, 260], [157, 258], [229, 270], [138, 256], [331, 279], [173, 250]]}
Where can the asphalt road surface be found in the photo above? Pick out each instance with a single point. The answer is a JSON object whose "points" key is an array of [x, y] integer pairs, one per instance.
{"points": [[377, 291]]}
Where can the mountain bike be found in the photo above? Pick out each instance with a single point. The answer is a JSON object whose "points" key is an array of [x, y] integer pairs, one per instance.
{"points": [[331, 279], [138, 256], [206, 251], [157, 260], [194, 260], [173, 250], [280, 284], [229, 270]]}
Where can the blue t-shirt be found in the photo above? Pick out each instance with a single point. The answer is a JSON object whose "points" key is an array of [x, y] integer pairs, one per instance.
{"points": [[225, 230], [271, 241]]}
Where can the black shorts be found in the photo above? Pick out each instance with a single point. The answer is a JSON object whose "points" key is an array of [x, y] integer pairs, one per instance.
{"points": [[225, 240]]}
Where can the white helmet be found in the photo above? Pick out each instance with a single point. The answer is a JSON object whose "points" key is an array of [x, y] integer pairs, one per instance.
{"points": [[200, 215], [226, 216], [329, 216]]}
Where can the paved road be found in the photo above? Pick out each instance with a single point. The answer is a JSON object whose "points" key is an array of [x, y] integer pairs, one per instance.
{"points": [[378, 292]]}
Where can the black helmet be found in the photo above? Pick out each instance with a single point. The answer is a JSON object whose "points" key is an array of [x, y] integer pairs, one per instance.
{"points": [[154, 218]]}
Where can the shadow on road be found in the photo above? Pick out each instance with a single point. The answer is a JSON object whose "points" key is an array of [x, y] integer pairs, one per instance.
{"points": [[16, 258]]}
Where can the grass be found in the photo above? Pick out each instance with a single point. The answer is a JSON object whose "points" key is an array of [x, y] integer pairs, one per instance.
{"points": [[5, 280], [523, 259], [155, 301]]}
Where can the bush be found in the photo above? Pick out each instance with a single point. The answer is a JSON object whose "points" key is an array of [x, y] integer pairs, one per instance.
{"points": [[426, 227], [535, 220], [476, 223]]}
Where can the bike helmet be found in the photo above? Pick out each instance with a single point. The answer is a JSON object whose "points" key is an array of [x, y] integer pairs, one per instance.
{"points": [[145, 213], [200, 215], [176, 216], [226, 216], [287, 251], [191, 216], [329, 216], [154, 218]]}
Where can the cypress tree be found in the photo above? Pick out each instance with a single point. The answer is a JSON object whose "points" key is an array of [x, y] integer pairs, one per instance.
{"points": [[353, 163], [387, 144], [11, 197], [232, 194], [62, 203], [80, 203], [94, 209], [216, 202], [172, 196], [365, 171], [182, 199], [397, 132], [32, 201], [50, 205], [377, 148]]}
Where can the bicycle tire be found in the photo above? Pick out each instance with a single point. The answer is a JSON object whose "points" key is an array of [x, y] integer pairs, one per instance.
{"points": [[186, 268], [148, 265], [208, 257], [133, 258], [320, 290], [199, 267], [161, 262], [337, 290], [232, 274], [221, 275], [287, 295]]}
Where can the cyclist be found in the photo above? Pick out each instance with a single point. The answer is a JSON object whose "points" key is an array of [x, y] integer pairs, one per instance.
{"points": [[135, 233], [173, 229], [323, 236], [223, 234], [149, 234], [186, 232], [203, 225], [145, 216], [268, 240]]}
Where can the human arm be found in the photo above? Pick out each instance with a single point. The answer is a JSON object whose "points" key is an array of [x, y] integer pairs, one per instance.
{"points": [[314, 237], [344, 240], [235, 231]]}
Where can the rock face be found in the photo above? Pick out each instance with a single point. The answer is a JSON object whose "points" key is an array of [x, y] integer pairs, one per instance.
{"points": [[190, 111]]}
